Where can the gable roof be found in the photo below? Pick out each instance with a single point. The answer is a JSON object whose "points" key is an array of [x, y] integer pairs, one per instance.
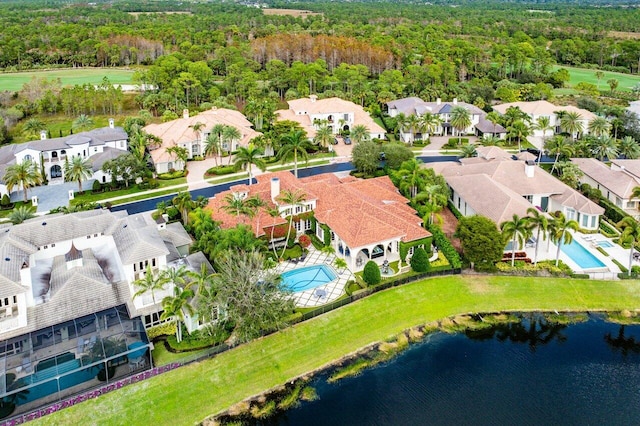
{"points": [[619, 181], [543, 107], [415, 105], [94, 137]]}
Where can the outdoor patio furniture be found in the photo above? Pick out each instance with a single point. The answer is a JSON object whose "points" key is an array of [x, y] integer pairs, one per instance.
{"points": [[321, 293]]}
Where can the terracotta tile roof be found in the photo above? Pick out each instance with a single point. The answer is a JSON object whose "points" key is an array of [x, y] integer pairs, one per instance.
{"points": [[360, 212], [180, 131]]}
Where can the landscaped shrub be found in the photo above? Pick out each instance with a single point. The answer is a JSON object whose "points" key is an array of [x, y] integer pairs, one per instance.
{"points": [[611, 211], [166, 329], [221, 170], [171, 175], [96, 187], [607, 230], [371, 273], [304, 241], [420, 260], [445, 247], [5, 202]]}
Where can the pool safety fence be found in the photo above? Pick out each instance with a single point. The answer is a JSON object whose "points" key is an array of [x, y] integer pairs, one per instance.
{"points": [[215, 350]]}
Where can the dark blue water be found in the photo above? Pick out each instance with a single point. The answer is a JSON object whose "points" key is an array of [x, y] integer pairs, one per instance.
{"points": [[531, 373]]}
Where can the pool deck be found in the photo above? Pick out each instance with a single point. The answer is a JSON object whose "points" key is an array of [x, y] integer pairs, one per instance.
{"points": [[333, 289], [589, 242]]}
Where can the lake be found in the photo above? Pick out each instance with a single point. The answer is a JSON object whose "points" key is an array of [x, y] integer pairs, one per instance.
{"points": [[527, 373]]}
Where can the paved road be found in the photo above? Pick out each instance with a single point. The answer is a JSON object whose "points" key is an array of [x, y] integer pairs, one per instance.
{"points": [[150, 203]]}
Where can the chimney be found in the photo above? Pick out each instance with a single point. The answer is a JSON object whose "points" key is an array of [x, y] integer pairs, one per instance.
{"points": [[438, 101], [111, 123], [529, 168], [455, 101], [185, 113], [313, 98], [43, 134], [275, 188]]}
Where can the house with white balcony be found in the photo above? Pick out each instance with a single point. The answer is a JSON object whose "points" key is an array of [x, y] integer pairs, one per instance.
{"points": [[50, 155], [191, 133], [339, 115], [361, 219], [537, 109], [497, 185], [616, 182], [414, 106], [67, 294]]}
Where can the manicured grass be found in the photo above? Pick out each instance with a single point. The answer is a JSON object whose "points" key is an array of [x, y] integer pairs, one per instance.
{"points": [[144, 196], [89, 196], [194, 392], [626, 81], [15, 81]]}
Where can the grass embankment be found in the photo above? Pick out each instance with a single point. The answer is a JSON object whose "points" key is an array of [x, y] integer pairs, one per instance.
{"points": [[71, 76], [190, 394]]}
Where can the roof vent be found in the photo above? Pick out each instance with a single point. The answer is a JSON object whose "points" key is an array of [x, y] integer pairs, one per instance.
{"points": [[44, 223]]}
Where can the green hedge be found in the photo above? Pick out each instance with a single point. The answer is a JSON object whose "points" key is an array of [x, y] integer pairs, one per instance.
{"points": [[454, 210], [221, 170], [445, 247], [613, 212], [607, 229], [327, 234], [623, 268], [404, 247], [171, 175], [166, 329]]}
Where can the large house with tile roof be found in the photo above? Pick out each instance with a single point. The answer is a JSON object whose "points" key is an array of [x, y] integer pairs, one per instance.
{"points": [[480, 126], [338, 114], [537, 109], [66, 284], [497, 186], [361, 219], [616, 182], [180, 132], [98, 145]]}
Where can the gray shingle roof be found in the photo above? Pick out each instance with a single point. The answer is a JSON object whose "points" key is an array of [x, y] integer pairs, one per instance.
{"points": [[85, 278], [176, 234]]}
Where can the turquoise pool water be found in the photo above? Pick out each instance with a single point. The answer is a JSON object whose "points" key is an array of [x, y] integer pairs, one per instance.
{"points": [[581, 256], [605, 244], [308, 277]]}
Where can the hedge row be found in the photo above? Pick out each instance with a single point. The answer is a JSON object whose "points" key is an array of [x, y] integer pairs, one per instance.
{"points": [[445, 247]]}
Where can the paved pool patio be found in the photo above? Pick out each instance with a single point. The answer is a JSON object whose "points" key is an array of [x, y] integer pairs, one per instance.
{"points": [[332, 290]]}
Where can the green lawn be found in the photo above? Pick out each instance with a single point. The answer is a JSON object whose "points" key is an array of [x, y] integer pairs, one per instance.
{"points": [[626, 81], [89, 196], [14, 81], [194, 392]]}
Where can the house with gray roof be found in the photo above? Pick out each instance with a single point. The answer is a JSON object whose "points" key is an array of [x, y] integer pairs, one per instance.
{"points": [[480, 126], [498, 186], [67, 284], [616, 182], [99, 145]]}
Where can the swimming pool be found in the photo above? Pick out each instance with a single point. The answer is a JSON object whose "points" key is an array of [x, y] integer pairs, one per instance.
{"points": [[308, 277], [581, 256], [604, 244]]}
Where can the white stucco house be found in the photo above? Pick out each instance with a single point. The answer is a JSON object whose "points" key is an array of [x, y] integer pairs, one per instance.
{"points": [[497, 186], [338, 114], [180, 132]]}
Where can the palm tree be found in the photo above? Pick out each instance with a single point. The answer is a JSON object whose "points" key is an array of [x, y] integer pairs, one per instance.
{"points": [[628, 147], [430, 123], [230, 134], [293, 199], [518, 230], [175, 306], [558, 145], [401, 125], [21, 213], [494, 118], [250, 156], [519, 130], [410, 177], [177, 276], [544, 125], [32, 127], [539, 221], [180, 154], [468, 151], [599, 127], [295, 143], [274, 212], [604, 147], [151, 283], [413, 123], [200, 280], [360, 133], [630, 234], [460, 119], [213, 144], [435, 200], [236, 205], [78, 169], [599, 76], [197, 128], [513, 114], [560, 232], [184, 203], [25, 174], [83, 122], [570, 123], [491, 141], [324, 137]]}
